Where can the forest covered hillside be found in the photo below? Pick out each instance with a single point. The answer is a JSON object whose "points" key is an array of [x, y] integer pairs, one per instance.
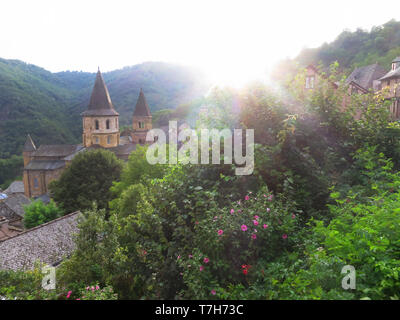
{"points": [[359, 48], [48, 105]]}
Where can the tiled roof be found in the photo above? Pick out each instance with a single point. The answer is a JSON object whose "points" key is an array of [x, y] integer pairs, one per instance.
{"points": [[59, 150], [48, 243], [365, 76], [16, 202], [15, 187], [141, 108], [45, 165], [100, 102], [391, 74]]}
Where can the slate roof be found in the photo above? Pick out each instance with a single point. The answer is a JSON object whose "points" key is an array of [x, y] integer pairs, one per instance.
{"points": [[60, 150], [141, 108], [391, 74], [45, 165], [397, 59], [29, 145], [100, 102], [365, 76], [16, 202], [15, 187], [49, 243]]}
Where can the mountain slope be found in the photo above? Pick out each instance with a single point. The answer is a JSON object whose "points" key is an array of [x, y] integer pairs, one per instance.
{"points": [[48, 105], [359, 48]]}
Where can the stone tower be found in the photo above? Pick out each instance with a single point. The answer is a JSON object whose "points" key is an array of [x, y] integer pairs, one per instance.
{"points": [[100, 120], [29, 149], [142, 120]]}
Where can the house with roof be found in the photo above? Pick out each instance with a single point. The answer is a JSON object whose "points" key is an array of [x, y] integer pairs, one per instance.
{"points": [[100, 120], [371, 78]]}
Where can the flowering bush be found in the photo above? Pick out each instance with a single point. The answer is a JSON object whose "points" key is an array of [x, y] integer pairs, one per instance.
{"points": [[231, 245], [94, 292]]}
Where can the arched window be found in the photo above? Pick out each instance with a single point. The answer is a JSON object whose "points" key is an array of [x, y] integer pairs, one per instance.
{"points": [[108, 139], [97, 124], [141, 124], [116, 122], [35, 183], [108, 124]]}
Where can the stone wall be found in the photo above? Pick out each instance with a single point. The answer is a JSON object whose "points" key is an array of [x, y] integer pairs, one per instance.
{"points": [[48, 243]]}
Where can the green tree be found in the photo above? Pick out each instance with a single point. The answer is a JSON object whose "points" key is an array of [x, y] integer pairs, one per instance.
{"points": [[88, 179], [37, 213]]}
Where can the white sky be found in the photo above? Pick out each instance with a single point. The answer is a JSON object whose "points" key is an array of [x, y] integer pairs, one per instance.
{"points": [[231, 41]]}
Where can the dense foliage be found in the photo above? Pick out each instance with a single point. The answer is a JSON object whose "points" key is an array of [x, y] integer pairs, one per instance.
{"points": [[324, 194], [37, 213], [359, 48], [86, 180]]}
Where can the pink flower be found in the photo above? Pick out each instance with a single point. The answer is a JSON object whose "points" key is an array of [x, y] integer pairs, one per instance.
{"points": [[97, 287], [293, 216], [268, 209], [87, 288], [78, 299], [179, 257], [213, 292], [92, 288], [190, 256], [255, 222], [69, 294], [196, 222], [246, 198], [256, 217], [232, 211], [265, 195], [243, 227], [201, 268], [239, 210], [265, 226], [206, 260], [255, 230], [253, 236], [220, 232], [270, 197], [284, 236]]}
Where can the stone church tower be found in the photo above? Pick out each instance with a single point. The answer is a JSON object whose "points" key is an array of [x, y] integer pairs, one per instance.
{"points": [[100, 120], [142, 120]]}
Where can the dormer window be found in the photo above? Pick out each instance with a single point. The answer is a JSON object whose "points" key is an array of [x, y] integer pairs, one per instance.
{"points": [[309, 82]]}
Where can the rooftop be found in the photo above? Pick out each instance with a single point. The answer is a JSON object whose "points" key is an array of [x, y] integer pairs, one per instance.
{"points": [[365, 76], [49, 243]]}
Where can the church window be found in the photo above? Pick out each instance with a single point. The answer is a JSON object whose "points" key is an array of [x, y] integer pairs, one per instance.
{"points": [[108, 124], [141, 124], [108, 139], [97, 140], [97, 124], [35, 183]]}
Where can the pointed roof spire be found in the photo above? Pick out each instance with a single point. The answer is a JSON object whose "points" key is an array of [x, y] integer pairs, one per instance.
{"points": [[141, 108], [100, 102], [29, 145]]}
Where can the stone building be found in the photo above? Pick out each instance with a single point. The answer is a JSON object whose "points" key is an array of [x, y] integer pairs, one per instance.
{"points": [[390, 83], [371, 78], [100, 130]]}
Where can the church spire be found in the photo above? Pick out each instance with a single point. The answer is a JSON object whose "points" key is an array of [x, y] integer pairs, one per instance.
{"points": [[142, 108], [29, 146], [100, 101]]}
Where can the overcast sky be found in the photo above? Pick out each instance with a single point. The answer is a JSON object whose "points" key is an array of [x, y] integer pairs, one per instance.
{"points": [[231, 41]]}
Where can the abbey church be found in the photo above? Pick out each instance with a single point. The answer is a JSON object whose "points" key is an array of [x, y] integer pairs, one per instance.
{"points": [[45, 163]]}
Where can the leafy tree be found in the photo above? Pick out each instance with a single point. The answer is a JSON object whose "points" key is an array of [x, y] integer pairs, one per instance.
{"points": [[37, 213], [86, 180]]}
